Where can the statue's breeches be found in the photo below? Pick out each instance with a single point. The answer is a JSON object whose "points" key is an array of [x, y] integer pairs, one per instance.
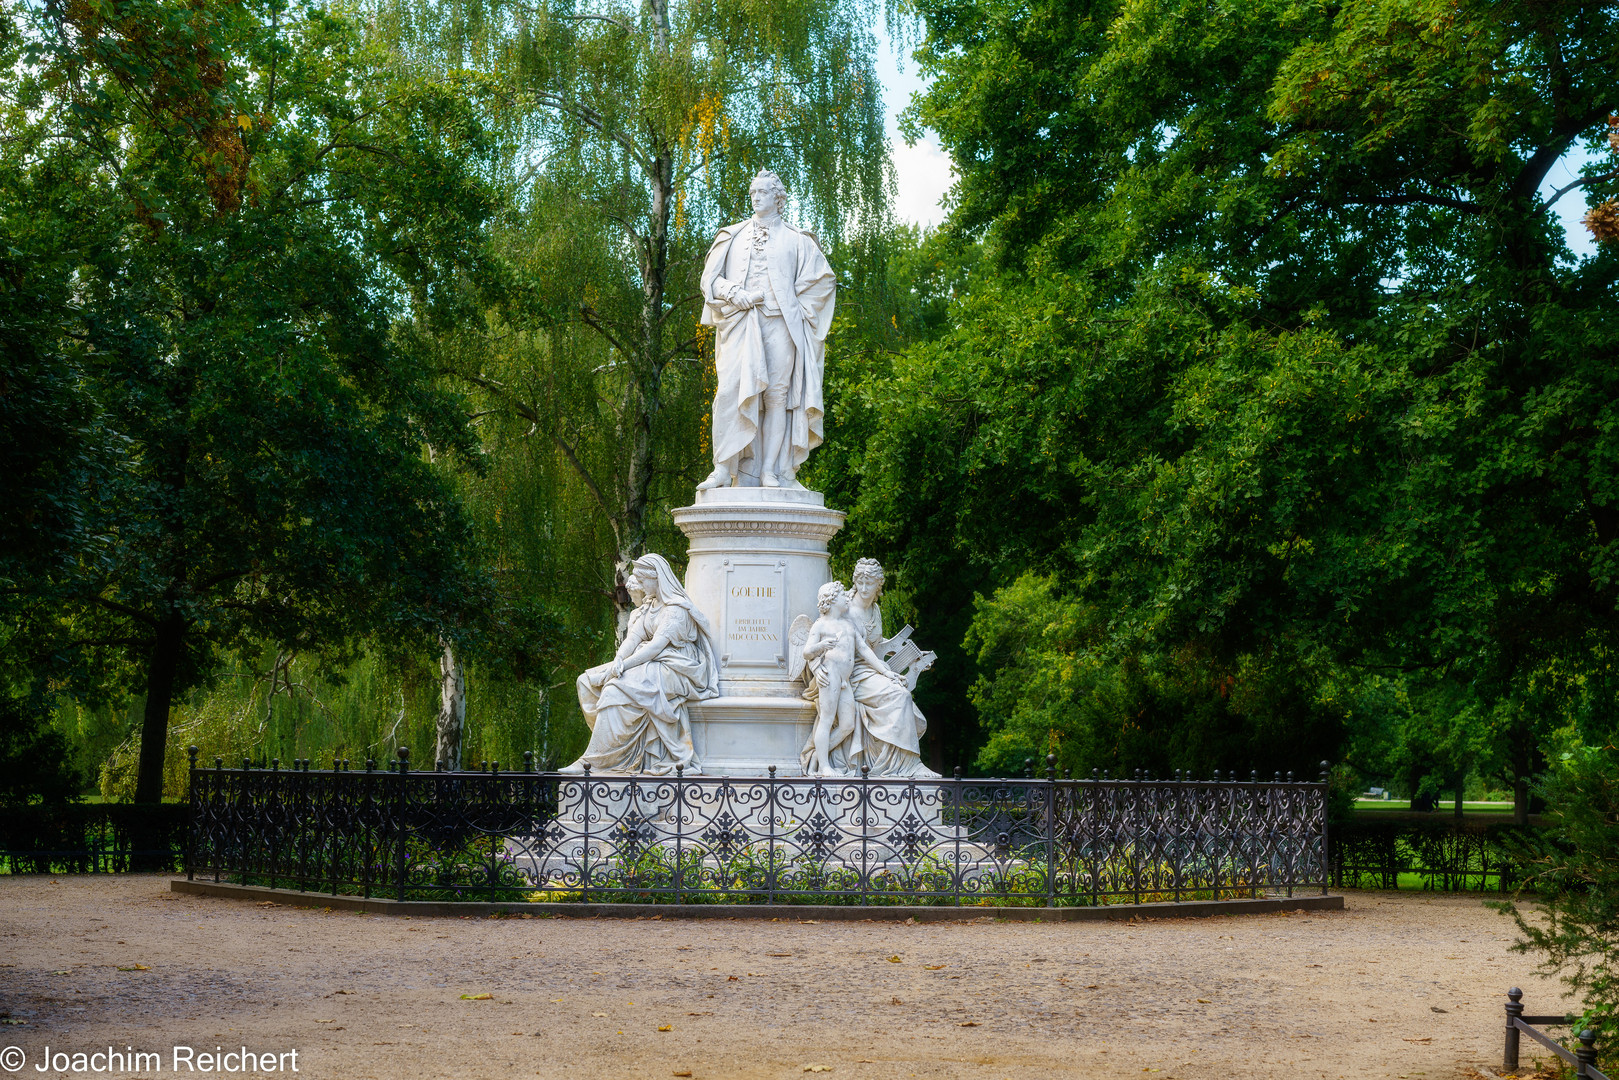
{"points": [[780, 354]]}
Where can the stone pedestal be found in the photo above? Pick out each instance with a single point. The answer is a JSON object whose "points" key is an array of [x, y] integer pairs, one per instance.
{"points": [[756, 559]]}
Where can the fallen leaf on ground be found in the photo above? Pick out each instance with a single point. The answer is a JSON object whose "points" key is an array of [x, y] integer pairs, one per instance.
{"points": [[1092, 986], [893, 960], [895, 1001], [681, 1072], [598, 1014], [1204, 1001], [325, 1021], [817, 1068], [934, 967], [666, 1027], [732, 978], [268, 903], [136, 967], [477, 997], [968, 1023], [1423, 1039], [778, 954], [1437, 1009], [61, 973]]}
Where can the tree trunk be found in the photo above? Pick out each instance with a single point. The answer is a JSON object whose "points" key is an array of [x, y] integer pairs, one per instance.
{"points": [[160, 672], [647, 386], [452, 709]]}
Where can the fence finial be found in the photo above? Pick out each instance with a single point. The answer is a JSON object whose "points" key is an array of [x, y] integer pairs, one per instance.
{"points": [[1051, 766], [1586, 1053], [1326, 768], [192, 752], [528, 761]]}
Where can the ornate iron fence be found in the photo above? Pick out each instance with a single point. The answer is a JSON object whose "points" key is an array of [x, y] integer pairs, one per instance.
{"points": [[529, 836]]}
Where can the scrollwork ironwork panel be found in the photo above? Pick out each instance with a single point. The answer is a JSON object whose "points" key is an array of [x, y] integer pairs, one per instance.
{"points": [[522, 836]]}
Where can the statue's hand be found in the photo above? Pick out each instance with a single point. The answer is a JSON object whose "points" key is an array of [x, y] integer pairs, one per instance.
{"points": [[755, 299], [616, 670]]}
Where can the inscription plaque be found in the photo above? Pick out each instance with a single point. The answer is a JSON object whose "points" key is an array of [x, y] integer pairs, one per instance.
{"points": [[755, 630]]}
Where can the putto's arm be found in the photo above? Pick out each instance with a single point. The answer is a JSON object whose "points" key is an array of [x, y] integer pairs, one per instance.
{"points": [[872, 658]]}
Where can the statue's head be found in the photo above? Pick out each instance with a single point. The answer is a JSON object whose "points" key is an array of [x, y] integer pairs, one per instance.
{"points": [[645, 577], [868, 579], [828, 595], [768, 193]]}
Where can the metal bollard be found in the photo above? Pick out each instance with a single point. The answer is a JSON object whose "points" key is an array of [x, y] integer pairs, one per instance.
{"points": [[1509, 1057], [1586, 1055]]}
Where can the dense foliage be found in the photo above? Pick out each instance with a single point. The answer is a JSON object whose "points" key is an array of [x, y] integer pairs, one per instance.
{"points": [[1574, 877], [1276, 422], [1248, 410], [215, 216]]}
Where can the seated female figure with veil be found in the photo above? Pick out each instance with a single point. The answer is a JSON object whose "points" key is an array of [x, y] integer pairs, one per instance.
{"points": [[637, 705]]}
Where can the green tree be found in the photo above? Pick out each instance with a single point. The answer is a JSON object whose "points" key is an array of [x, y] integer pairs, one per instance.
{"points": [[630, 132], [249, 202], [1276, 371]]}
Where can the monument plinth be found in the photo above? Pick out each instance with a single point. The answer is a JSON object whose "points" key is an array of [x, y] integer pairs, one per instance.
{"points": [[756, 558]]}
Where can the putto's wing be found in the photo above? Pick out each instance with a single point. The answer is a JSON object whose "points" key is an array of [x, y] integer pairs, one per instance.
{"points": [[797, 634]]}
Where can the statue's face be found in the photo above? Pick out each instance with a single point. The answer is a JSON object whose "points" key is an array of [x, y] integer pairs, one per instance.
{"points": [[637, 594], [647, 580], [866, 589], [764, 198], [840, 606]]}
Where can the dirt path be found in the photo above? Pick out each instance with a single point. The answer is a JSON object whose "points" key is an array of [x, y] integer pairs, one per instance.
{"points": [[1398, 986]]}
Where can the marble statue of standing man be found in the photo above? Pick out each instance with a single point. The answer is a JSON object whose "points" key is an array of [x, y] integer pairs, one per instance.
{"points": [[768, 292]]}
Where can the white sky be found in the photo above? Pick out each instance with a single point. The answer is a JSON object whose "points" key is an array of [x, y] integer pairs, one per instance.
{"points": [[922, 172]]}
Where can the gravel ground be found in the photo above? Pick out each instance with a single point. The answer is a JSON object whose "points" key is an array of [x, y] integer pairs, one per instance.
{"points": [[1398, 985]]}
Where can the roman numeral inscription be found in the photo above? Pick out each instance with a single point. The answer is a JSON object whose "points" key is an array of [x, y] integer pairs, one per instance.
{"points": [[755, 623]]}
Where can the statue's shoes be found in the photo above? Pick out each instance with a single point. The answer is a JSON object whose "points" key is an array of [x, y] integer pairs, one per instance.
{"points": [[770, 480], [720, 477]]}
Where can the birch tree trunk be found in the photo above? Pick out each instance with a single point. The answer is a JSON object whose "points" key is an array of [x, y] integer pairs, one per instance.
{"points": [[452, 709]]}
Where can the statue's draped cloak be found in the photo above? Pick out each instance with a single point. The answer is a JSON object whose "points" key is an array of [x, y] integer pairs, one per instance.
{"points": [[804, 288]]}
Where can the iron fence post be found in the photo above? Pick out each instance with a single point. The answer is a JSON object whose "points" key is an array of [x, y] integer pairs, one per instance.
{"points": [[864, 876], [1586, 1055], [680, 818], [770, 837], [1326, 839], [191, 823], [1509, 1056], [958, 803], [399, 820], [1051, 830], [584, 895]]}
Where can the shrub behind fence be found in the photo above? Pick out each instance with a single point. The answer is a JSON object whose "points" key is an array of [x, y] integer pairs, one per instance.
{"points": [[82, 838]]}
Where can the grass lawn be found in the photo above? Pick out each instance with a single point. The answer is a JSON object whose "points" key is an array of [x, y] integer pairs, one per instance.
{"points": [[1444, 806]]}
